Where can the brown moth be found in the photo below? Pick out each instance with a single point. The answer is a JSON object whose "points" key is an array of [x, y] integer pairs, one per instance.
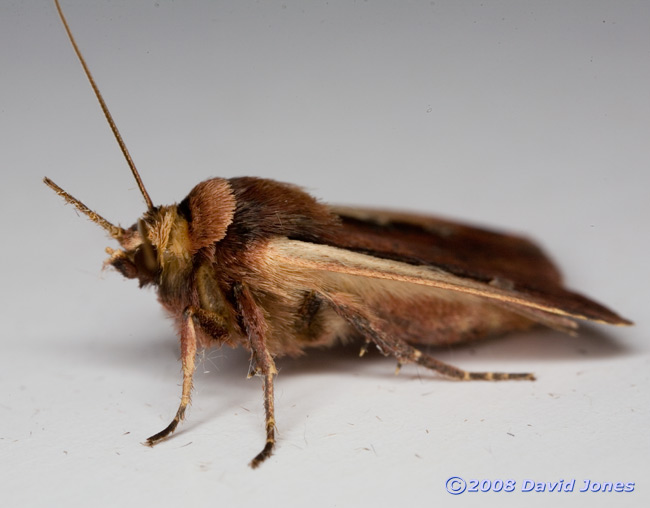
{"points": [[261, 264]]}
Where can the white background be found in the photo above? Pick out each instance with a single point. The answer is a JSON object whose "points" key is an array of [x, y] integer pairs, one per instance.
{"points": [[531, 117]]}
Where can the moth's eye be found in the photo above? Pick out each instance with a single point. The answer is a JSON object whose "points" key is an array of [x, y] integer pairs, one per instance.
{"points": [[125, 267]]}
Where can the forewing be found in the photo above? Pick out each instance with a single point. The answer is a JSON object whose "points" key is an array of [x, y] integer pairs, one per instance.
{"points": [[463, 250], [510, 270]]}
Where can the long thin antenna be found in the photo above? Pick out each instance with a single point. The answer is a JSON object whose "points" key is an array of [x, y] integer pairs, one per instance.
{"points": [[114, 231], [107, 113]]}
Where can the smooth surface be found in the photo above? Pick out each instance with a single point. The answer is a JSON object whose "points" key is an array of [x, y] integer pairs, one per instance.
{"points": [[521, 116]]}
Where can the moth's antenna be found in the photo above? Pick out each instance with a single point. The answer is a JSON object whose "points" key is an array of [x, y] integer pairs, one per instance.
{"points": [[115, 231], [107, 113]]}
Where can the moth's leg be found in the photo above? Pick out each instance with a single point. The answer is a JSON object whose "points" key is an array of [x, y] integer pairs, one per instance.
{"points": [[212, 325], [371, 328], [188, 354], [257, 329]]}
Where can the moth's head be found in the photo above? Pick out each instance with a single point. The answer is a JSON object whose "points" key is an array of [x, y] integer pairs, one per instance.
{"points": [[158, 242], [164, 240]]}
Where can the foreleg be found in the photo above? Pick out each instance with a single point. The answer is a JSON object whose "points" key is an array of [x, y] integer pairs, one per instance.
{"points": [[188, 355]]}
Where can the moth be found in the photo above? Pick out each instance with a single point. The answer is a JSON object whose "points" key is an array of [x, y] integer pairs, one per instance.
{"points": [[263, 265]]}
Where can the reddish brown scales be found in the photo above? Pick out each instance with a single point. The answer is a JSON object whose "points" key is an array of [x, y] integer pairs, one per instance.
{"points": [[458, 248], [260, 264], [309, 277], [209, 209]]}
